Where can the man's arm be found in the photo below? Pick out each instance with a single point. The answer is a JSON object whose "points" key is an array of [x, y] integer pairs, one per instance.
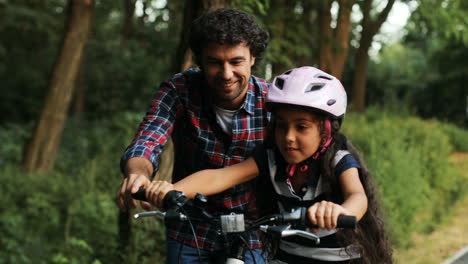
{"points": [[140, 160]]}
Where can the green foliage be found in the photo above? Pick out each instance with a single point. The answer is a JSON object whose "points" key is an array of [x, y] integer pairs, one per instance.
{"points": [[446, 18], [117, 76], [458, 137], [55, 219], [409, 159], [12, 136], [293, 41], [69, 215], [396, 74], [123, 76], [427, 77], [253, 6], [30, 39]]}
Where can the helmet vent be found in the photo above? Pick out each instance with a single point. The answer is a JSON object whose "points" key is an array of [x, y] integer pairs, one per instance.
{"points": [[323, 76], [331, 102], [288, 72], [314, 87], [279, 83]]}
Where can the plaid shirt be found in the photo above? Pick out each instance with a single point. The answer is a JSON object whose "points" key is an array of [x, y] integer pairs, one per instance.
{"points": [[183, 109]]}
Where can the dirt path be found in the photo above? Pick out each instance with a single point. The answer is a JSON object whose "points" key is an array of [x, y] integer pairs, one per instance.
{"points": [[436, 247]]}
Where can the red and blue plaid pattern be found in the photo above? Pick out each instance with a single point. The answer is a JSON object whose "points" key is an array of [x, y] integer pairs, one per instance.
{"points": [[183, 109]]}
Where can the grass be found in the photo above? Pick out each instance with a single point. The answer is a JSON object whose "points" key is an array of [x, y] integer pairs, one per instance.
{"points": [[439, 245]]}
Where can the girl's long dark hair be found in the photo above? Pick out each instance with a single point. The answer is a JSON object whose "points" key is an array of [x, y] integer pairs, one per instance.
{"points": [[370, 236]]}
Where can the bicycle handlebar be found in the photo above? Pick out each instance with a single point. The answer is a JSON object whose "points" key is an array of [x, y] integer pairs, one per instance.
{"points": [[176, 199], [140, 194]]}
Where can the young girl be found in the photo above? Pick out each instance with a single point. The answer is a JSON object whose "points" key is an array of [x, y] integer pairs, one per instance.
{"points": [[305, 162]]}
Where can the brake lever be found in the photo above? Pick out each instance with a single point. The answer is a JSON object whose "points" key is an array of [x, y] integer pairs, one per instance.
{"points": [[148, 214], [285, 231], [169, 215], [301, 233]]}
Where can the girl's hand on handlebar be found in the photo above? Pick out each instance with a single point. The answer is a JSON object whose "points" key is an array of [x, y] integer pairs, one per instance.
{"points": [[325, 214], [156, 191]]}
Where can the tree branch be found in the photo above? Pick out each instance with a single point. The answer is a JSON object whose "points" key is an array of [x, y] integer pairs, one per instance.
{"points": [[382, 16]]}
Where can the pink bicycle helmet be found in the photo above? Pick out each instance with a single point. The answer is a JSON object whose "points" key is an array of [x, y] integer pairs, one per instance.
{"points": [[309, 87]]}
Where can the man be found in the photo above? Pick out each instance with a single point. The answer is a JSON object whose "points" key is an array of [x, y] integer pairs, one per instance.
{"points": [[215, 117]]}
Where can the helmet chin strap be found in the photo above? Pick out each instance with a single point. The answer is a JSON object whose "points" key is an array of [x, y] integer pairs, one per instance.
{"points": [[303, 166]]}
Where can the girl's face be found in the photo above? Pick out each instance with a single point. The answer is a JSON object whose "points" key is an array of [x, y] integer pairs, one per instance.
{"points": [[297, 134]]}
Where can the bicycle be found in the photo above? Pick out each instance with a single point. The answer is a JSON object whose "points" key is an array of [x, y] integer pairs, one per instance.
{"points": [[180, 208]]}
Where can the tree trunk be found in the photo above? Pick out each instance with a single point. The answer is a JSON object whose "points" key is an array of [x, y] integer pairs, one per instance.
{"points": [[325, 36], [128, 25], [343, 28], [334, 43], [277, 66], [359, 78], [369, 29], [124, 220], [141, 20], [183, 59], [308, 17], [125, 231], [281, 11], [41, 152]]}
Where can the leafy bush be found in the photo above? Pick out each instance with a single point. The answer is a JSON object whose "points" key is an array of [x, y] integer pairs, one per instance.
{"points": [[458, 137], [13, 137], [69, 215], [409, 159]]}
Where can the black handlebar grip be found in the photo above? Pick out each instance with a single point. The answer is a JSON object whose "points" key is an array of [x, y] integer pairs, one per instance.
{"points": [[140, 194], [174, 198], [347, 221], [343, 221]]}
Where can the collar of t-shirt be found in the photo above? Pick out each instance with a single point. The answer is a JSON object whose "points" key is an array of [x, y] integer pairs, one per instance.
{"points": [[224, 118]]}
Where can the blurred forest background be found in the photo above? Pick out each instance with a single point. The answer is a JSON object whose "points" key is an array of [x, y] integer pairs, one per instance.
{"points": [[78, 75]]}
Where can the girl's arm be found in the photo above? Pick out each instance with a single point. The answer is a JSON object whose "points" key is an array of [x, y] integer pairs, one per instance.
{"points": [[355, 199], [206, 182], [325, 214]]}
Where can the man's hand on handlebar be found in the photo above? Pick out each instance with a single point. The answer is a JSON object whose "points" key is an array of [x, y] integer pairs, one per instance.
{"points": [[325, 214], [156, 191], [130, 185]]}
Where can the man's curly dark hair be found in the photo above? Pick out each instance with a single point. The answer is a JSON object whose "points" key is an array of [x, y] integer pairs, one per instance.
{"points": [[227, 26]]}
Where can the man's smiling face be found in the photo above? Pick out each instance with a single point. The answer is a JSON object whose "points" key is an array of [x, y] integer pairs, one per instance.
{"points": [[227, 69]]}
